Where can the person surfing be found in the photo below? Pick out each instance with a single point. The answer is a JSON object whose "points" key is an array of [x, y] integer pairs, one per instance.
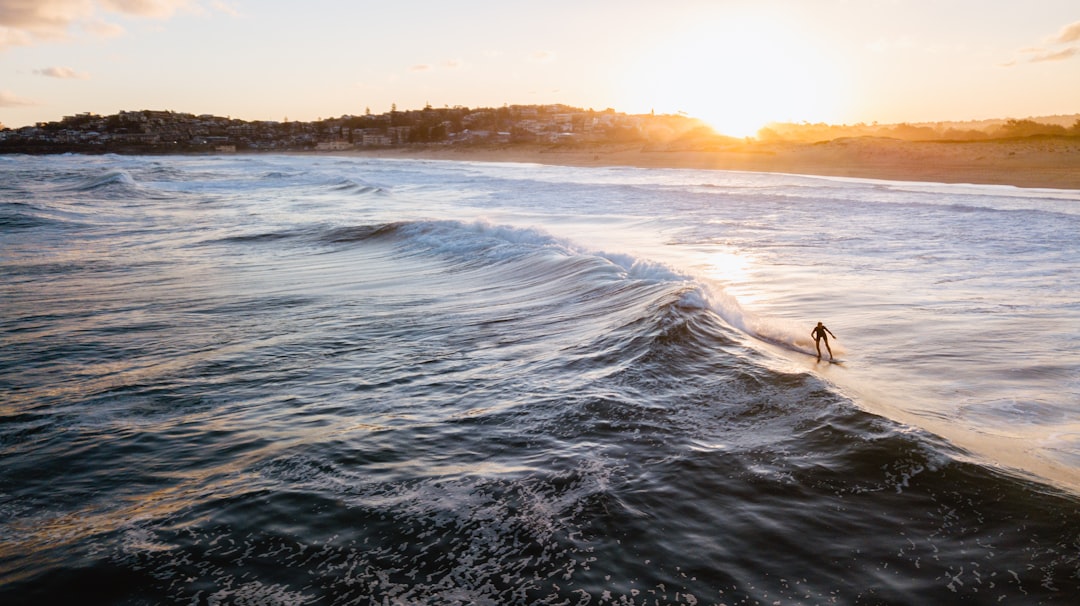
{"points": [[820, 333]]}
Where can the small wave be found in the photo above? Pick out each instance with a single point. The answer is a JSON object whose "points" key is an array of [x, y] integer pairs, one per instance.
{"points": [[318, 235], [481, 241], [360, 188], [453, 239], [359, 233], [13, 222], [19, 215], [111, 178], [261, 237], [160, 171], [116, 182], [278, 174]]}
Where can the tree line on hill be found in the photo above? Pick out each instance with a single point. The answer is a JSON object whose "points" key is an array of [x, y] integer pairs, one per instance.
{"points": [[1050, 126]]}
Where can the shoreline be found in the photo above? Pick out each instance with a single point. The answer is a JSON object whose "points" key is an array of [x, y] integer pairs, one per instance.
{"points": [[1052, 163]]}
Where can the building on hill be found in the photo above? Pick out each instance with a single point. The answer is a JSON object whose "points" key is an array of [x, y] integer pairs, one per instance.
{"points": [[337, 145]]}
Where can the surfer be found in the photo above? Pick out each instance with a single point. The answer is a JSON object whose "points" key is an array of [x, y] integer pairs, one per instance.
{"points": [[819, 334]]}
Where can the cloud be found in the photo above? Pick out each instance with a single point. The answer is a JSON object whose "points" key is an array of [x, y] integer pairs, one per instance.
{"points": [[9, 99], [1069, 33], [542, 56], [64, 73], [224, 8], [26, 22], [427, 67], [1060, 55], [13, 37], [1066, 37], [144, 8], [102, 28]]}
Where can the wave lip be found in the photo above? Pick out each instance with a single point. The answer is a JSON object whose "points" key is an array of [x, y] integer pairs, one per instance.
{"points": [[115, 183], [359, 233], [352, 186], [114, 178]]}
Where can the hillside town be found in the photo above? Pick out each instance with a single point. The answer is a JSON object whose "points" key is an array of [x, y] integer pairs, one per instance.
{"points": [[148, 131], [170, 132]]}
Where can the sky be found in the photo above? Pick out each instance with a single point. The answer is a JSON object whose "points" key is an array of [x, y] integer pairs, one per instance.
{"points": [[735, 64]]}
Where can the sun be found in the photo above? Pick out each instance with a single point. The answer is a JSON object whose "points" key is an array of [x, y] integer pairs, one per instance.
{"points": [[737, 75]]}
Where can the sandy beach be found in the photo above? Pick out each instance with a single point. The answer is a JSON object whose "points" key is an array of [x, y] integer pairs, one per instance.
{"points": [[1034, 163]]}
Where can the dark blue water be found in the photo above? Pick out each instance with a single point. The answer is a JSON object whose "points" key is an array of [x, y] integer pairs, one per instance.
{"points": [[312, 380]]}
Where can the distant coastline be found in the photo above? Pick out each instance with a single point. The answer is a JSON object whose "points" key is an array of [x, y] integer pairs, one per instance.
{"points": [[1043, 153]]}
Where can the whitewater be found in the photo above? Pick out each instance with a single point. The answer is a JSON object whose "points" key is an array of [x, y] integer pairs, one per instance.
{"points": [[317, 379]]}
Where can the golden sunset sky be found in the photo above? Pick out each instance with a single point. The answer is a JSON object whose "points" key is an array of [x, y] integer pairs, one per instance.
{"points": [[735, 64]]}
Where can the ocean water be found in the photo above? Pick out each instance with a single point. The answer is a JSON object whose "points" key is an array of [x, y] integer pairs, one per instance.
{"points": [[341, 380]]}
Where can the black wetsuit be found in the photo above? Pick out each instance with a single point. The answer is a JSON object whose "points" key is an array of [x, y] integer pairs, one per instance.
{"points": [[819, 333]]}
